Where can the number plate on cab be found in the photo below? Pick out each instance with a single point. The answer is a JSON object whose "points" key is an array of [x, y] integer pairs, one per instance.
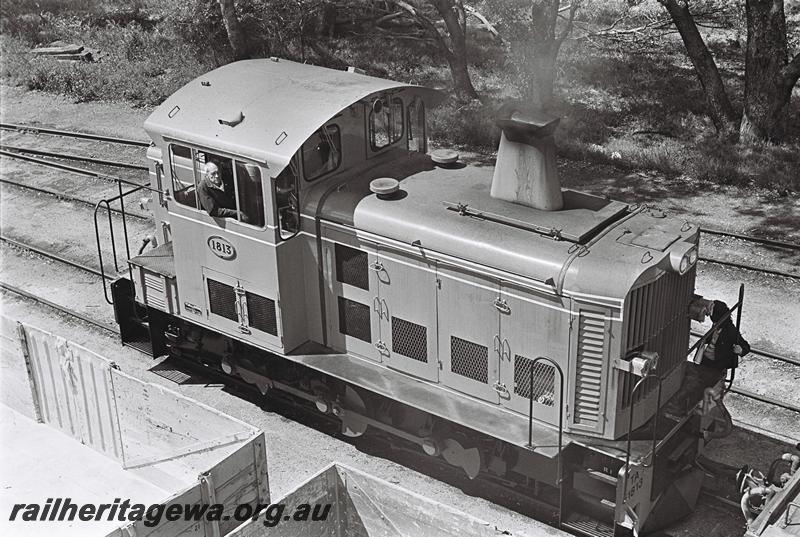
{"points": [[221, 247]]}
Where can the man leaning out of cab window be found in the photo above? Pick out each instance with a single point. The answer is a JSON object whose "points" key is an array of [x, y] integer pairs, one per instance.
{"points": [[213, 198]]}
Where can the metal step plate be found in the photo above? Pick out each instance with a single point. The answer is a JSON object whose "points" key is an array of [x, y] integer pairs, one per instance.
{"points": [[169, 370]]}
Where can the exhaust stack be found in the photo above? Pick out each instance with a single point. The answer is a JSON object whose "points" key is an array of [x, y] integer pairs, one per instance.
{"points": [[526, 172]]}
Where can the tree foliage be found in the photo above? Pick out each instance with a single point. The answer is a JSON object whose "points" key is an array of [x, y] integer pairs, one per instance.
{"points": [[452, 40], [535, 31], [771, 71]]}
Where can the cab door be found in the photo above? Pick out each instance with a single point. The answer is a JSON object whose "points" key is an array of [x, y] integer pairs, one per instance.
{"points": [[407, 313], [352, 308]]}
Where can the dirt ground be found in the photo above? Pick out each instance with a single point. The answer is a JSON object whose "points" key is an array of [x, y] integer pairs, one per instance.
{"points": [[771, 315]]}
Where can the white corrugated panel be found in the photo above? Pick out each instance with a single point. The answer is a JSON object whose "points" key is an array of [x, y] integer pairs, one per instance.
{"points": [[74, 389]]}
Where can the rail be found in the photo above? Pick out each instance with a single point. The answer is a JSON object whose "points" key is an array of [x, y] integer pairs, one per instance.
{"points": [[530, 445], [76, 170], [67, 197], [54, 257], [759, 240], [70, 156], [50, 304], [72, 134], [747, 266]]}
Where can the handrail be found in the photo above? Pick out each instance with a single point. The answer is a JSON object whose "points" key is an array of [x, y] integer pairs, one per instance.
{"points": [[107, 203], [650, 374], [560, 423], [100, 250], [738, 324]]}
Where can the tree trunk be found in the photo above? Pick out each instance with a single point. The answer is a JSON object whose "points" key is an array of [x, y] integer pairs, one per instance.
{"points": [[544, 65], [719, 106], [236, 36], [546, 44], [769, 77], [455, 19]]}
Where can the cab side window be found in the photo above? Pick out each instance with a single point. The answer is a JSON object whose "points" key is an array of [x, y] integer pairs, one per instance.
{"points": [[287, 201], [416, 126], [183, 187], [220, 186], [385, 124], [322, 152], [249, 193]]}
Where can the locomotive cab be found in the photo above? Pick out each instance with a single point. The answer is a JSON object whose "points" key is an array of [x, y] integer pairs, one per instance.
{"points": [[233, 253]]}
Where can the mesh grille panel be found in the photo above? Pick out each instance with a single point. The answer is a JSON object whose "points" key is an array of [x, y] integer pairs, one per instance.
{"points": [[354, 319], [410, 339], [544, 380], [222, 300], [261, 313], [469, 359], [351, 267]]}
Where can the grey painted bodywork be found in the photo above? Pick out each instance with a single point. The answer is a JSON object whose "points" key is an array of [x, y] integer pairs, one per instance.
{"points": [[456, 266], [282, 102]]}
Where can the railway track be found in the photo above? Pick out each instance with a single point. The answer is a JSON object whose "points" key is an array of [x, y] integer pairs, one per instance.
{"points": [[71, 156], [55, 257], [33, 129], [26, 154], [75, 199], [374, 442], [96, 272], [34, 156]]}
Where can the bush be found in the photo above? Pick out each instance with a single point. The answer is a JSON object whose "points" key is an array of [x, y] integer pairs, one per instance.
{"points": [[470, 124], [136, 65]]}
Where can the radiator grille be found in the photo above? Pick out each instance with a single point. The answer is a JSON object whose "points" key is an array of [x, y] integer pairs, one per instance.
{"points": [[354, 319], [352, 267], [591, 353], [410, 339], [261, 313], [469, 359], [155, 295], [657, 319], [222, 300], [544, 377]]}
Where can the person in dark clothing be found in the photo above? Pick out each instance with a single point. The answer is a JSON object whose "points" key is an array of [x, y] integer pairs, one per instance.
{"points": [[721, 352], [213, 198], [726, 345]]}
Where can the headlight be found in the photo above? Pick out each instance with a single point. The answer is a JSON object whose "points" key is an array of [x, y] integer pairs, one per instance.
{"points": [[683, 257]]}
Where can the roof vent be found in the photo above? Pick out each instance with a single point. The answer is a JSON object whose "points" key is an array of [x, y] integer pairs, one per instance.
{"points": [[385, 187], [444, 157], [232, 119], [526, 172]]}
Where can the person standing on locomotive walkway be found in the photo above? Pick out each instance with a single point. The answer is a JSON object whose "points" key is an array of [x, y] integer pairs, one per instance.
{"points": [[213, 198], [720, 353]]}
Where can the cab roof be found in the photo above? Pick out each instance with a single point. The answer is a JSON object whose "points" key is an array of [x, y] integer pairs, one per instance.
{"points": [[265, 109]]}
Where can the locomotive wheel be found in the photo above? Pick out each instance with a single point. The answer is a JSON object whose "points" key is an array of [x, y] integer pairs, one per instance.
{"points": [[354, 407], [469, 459]]}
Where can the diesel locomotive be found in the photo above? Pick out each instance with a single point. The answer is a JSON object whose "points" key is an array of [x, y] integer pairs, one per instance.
{"points": [[501, 323]]}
